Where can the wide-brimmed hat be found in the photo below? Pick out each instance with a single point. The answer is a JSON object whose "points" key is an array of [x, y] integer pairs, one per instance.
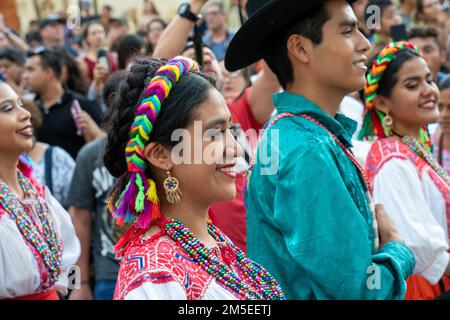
{"points": [[266, 17]]}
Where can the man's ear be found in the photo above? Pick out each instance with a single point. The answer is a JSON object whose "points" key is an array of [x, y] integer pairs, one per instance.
{"points": [[300, 48], [382, 104], [158, 156]]}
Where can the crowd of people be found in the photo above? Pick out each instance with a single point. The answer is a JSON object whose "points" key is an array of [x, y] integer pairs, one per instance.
{"points": [[324, 152]]}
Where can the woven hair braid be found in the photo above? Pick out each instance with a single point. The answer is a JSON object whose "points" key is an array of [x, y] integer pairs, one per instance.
{"points": [[124, 106]]}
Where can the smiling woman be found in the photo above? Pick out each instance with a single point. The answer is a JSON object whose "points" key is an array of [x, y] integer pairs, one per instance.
{"points": [[172, 250], [401, 99], [38, 243]]}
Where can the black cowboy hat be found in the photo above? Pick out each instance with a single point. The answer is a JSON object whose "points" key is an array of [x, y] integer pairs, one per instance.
{"points": [[265, 18]]}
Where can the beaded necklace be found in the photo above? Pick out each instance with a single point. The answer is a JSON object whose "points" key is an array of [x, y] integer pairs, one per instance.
{"points": [[46, 243], [264, 286], [418, 149]]}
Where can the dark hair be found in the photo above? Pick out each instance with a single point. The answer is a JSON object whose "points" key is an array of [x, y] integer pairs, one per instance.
{"points": [[276, 54], [390, 76], [12, 54], [419, 8], [76, 81], [33, 36], [49, 58], [177, 110], [110, 91], [128, 47], [87, 26], [381, 4], [444, 84], [424, 32], [160, 20]]}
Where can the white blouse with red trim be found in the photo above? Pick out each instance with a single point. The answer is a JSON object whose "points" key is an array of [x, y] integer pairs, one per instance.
{"points": [[20, 272], [157, 269], [417, 199]]}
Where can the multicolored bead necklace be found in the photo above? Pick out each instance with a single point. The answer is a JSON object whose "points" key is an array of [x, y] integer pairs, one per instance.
{"points": [[418, 149], [47, 244], [264, 286]]}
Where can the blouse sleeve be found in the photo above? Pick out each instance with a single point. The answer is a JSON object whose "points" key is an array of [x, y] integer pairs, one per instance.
{"points": [[157, 291], [65, 229], [399, 188]]}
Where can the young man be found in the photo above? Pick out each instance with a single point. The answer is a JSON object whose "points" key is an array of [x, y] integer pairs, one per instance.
{"points": [[426, 38], [42, 76], [217, 35], [309, 221]]}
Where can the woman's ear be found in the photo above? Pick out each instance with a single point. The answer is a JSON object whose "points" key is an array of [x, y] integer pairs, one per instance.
{"points": [[382, 104], [299, 47], [158, 156]]}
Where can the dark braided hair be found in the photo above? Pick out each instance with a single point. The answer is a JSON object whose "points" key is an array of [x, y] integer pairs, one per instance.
{"points": [[177, 111]]}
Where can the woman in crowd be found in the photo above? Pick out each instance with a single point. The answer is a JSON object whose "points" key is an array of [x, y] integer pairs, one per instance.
{"points": [[94, 37], [401, 99], [154, 30], [172, 250], [150, 13], [38, 242], [441, 139]]}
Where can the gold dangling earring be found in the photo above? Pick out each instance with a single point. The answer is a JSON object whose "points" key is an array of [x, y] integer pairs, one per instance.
{"points": [[387, 124], [172, 188]]}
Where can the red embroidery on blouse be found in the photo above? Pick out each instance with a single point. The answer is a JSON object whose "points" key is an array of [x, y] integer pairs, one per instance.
{"points": [[162, 261], [45, 284], [384, 150]]}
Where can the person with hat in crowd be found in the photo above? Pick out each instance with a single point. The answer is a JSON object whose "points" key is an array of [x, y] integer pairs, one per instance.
{"points": [[307, 199], [52, 31]]}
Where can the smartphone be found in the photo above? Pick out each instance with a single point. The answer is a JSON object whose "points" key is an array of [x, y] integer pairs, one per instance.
{"points": [[75, 109], [398, 32], [102, 58]]}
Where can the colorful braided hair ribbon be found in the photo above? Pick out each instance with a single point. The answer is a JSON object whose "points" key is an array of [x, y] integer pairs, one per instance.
{"points": [[138, 203], [373, 119]]}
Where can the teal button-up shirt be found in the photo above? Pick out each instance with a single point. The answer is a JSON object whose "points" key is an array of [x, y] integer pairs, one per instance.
{"points": [[308, 218]]}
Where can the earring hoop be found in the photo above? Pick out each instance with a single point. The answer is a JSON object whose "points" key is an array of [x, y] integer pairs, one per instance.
{"points": [[172, 189]]}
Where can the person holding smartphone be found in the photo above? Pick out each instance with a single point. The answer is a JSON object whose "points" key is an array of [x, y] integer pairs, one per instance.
{"points": [[94, 39], [42, 76]]}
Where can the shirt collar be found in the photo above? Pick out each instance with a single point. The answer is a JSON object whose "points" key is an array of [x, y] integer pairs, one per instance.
{"points": [[341, 126]]}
